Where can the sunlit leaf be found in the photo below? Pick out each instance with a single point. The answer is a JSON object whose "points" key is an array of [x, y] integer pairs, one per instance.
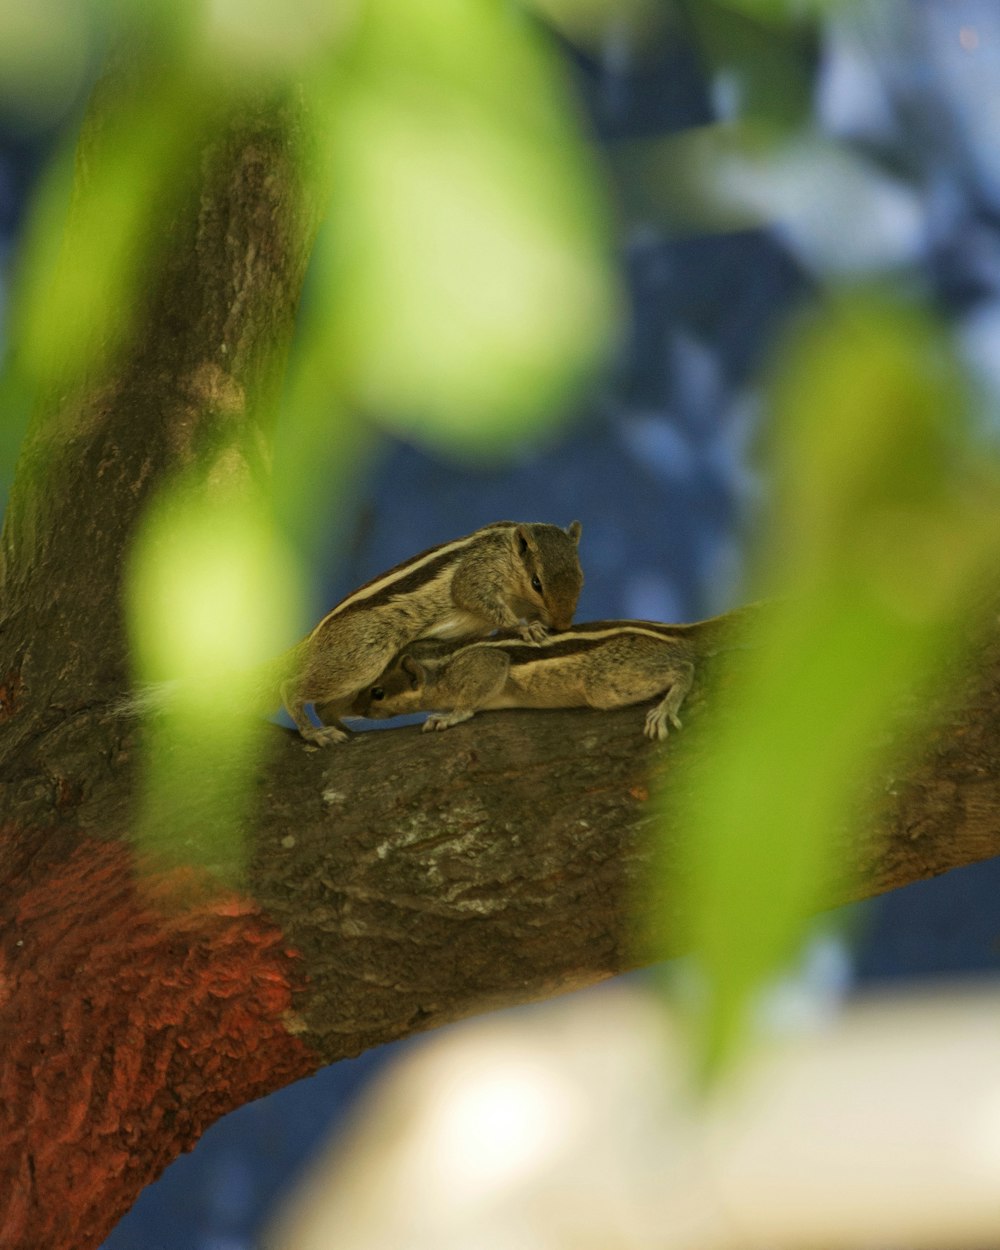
{"points": [[464, 278], [45, 50], [17, 396], [786, 10], [213, 593], [87, 260], [214, 597], [884, 525], [322, 450], [273, 40]]}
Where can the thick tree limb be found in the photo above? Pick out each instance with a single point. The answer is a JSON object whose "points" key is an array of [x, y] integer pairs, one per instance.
{"points": [[396, 883], [390, 885], [513, 857]]}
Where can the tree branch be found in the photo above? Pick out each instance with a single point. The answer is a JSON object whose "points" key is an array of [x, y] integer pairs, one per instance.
{"points": [[425, 877], [208, 336], [395, 883]]}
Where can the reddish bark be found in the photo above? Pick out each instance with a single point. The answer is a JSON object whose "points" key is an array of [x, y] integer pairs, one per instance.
{"points": [[133, 1012]]}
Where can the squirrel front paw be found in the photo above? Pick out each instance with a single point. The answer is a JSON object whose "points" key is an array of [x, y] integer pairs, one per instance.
{"points": [[533, 631]]}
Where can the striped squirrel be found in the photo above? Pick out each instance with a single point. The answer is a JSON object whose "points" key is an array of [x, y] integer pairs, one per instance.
{"points": [[600, 664], [522, 578]]}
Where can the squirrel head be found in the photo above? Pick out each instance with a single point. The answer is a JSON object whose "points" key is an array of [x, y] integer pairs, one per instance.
{"points": [[396, 691], [551, 577]]}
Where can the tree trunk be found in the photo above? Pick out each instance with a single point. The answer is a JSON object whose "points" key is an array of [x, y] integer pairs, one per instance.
{"points": [[395, 883]]}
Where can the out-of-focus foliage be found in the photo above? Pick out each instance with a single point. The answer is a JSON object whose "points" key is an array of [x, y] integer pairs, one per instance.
{"points": [[589, 22], [885, 519], [208, 565], [885, 525], [741, 175], [461, 288], [215, 596], [761, 64], [270, 42], [464, 262], [45, 50], [83, 272], [782, 11]]}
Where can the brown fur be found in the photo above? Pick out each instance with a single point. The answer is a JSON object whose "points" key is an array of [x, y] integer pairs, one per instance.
{"points": [[462, 589], [602, 664]]}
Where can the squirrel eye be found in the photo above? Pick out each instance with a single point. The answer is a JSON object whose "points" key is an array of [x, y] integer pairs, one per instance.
{"points": [[536, 584], [378, 693]]}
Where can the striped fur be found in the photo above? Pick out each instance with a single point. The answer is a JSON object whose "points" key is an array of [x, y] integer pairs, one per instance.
{"points": [[505, 575], [406, 577], [600, 664]]}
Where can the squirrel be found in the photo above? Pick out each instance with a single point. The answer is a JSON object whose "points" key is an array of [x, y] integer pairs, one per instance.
{"points": [[520, 577], [600, 664]]}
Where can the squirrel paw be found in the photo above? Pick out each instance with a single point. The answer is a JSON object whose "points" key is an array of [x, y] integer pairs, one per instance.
{"points": [[533, 631], [326, 736], [444, 720], [656, 722]]}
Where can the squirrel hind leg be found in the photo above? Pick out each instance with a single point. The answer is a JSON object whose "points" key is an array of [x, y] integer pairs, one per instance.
{"points": [[668, 707]]}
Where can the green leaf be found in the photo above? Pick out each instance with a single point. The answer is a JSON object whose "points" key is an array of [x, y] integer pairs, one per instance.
{"points": [[464, 285], [213, 600], [885, 524], [86, 262]]}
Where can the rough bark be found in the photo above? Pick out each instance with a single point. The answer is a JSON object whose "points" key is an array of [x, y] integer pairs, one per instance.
{"points": [[392, 884], [124, 998]]}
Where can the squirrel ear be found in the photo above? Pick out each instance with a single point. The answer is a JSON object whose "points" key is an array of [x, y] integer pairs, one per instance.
{"points": [[414, 670], [574, 529], [522, 538]]}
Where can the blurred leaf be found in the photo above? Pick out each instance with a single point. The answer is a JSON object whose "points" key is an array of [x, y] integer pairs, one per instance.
{"points": [[686, 180], [884, 528], [778, 11], [744, 175], [213, 592], [214, 597], [45, 52], [463, 286], [762, 67], [86, 258], [322, 450], [17, 396], [270, 40]]}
